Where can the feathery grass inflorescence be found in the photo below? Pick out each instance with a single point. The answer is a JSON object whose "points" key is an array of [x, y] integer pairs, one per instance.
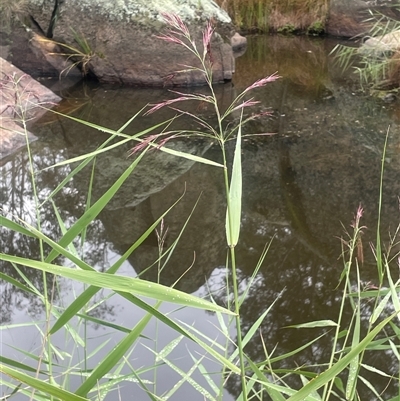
{"points": [[338, 378]]}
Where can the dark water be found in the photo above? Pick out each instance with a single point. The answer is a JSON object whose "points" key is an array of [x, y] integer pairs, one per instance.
{"points": [[302, 186]]}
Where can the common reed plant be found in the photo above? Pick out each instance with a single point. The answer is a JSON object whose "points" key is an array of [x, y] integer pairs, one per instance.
{"points": [[338, 378]]}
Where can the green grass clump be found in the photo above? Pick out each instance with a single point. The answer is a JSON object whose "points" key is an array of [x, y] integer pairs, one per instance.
{"points": [[11, 9]]}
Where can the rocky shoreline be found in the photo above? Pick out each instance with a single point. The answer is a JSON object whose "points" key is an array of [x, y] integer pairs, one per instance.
{"points": [[116, 42], [22, 101]]}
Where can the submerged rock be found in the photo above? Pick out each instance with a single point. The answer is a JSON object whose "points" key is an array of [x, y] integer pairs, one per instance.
{"points": [[239, 43], [117, 40]]}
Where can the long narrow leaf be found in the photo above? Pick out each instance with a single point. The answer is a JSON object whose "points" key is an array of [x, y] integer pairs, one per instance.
{"points": [[294, 352], [13, 226], [120, 283], [380, 308], [185, 375], [354, 364], [206, 375], [234, 210], [179, 329], [101, 148], [130, 138], [113, 357], [379, 262], [188, 156], [393, 289], [339, 366], [276, 391], [94, 211], [316, 323], [250, 333], [16, 364], [41, 385], [103, 323], [15, 283], [88, 159], [84, 298]]}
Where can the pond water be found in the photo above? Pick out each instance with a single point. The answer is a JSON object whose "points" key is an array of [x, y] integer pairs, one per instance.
{"points": [[303, 183]]}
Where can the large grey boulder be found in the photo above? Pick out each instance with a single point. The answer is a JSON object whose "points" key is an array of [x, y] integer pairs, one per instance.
{"points": [[117, 40], [381, 46], [347, 18], [354, 18]]}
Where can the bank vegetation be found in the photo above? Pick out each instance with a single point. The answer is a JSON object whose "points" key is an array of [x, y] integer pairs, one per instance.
{"points": [[282, 16]]}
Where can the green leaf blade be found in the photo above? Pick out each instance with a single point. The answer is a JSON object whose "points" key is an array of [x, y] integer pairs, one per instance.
{"points": [[234, 209], [121, 283]]}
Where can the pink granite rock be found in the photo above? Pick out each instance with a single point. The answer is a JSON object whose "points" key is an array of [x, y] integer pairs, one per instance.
{"points": [[121, 43], [22, 99]]}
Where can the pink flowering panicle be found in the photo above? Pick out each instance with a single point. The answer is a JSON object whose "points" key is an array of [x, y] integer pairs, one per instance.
{"points": [[358, 231], [177, 25], [247, 103], [179, 33], [150, 141], [357, 218], [182, 97], [262, 82], [160, 105], [207, 35]]}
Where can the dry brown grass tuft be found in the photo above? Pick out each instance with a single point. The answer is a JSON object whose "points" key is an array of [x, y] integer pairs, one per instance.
{"points": [[274, 15], [9, 9]]}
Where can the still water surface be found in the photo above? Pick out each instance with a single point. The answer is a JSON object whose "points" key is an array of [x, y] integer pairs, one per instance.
{"points": [[303, 183]]}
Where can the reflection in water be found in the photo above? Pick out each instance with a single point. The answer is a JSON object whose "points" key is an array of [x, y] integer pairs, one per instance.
{"points": [[18, 203], [301, 189], [295, 213]]}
